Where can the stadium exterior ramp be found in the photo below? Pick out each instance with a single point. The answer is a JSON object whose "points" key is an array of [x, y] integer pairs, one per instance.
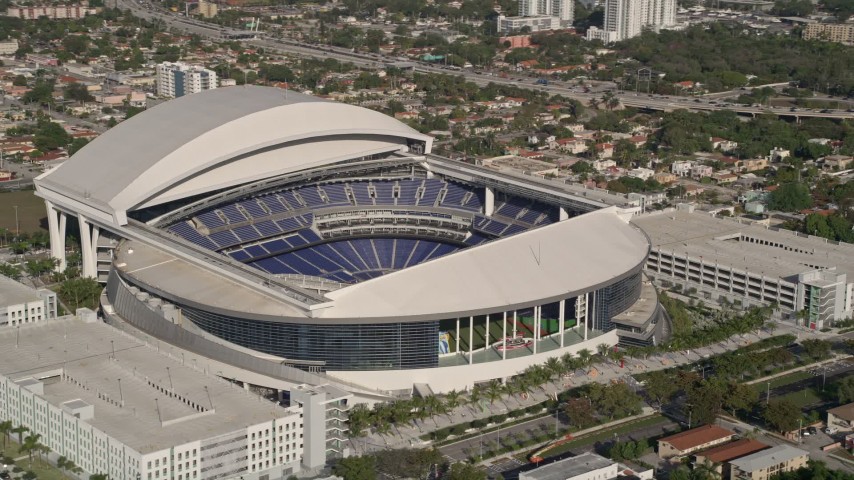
{"points": [[307, 241]]}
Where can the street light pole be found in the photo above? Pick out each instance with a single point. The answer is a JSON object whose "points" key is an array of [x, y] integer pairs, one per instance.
{"points": [[768, 394], [17, 226]]}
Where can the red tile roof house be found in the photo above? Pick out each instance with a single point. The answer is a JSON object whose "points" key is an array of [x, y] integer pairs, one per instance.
{"points": [[719, 456], [693, 440]]}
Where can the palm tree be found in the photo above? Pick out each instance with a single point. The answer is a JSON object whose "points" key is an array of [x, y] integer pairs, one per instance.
{"points": [[31, 445], [474, 399], [493, 391], [567, 361], [432, 407], [20, 430], [585, 354], [359, 418], [453, 399], [5, 428], [602, 349], [554, 367]]}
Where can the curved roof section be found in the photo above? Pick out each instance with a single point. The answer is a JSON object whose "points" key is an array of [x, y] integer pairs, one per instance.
{"points": [[541, 265], [220, 138]]}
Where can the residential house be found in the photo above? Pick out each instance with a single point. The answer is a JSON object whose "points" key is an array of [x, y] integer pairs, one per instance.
{"points": [[682, 168], [664, 178], [641, 173], [777, 154], [693, 440], [604, 150], [571, 145], [837, 162], [602, 165], [724, 178], [638, 140], [723, 144], [701, 171], [693, 190], [841, 417], [753, 164]]}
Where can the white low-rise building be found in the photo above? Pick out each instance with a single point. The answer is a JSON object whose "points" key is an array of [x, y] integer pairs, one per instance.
{"points": [[116, 406], [20, 304]]}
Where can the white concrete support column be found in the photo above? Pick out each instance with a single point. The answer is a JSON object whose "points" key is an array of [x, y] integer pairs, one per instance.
{"points": [[56, 220], [589, 318], [514, 323], [560, 319], [487, 332], [536, 328], [504, 337], [471, 340], [87, 248], [489, 202], [457, 339], [564, 215]]}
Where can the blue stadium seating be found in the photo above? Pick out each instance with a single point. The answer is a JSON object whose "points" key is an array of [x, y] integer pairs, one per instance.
{"points": [[253, 208], [365, 250], [186, 231], [311, 197], [408, 188], [335, 192], [247, 233], [432, 186], [232, 214], [224, 238], [513, 229], [403, 249], [384, 192], [210, 219], [256, 251], [240, 255], [360, 191]]}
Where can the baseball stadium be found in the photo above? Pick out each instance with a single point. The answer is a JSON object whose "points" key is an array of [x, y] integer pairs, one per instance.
{"points": [[300, 240]]}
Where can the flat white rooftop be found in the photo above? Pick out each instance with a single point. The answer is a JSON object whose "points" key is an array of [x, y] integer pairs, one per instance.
{"points": [[85, 351], [781, 253], [15, 293]]}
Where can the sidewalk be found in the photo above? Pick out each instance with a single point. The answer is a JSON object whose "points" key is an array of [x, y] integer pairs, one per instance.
{"points": [[834, 358], [406, 436]]}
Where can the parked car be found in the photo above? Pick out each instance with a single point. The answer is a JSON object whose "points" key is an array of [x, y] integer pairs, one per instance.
{"points": [[830, 430]]}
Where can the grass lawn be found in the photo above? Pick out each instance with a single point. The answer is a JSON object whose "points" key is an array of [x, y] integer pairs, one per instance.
{"points": [[44, 470], [803, 398], [781, 381], [605, 434], [31, 212]]}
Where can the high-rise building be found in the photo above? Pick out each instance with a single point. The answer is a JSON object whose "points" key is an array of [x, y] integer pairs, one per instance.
{"points": [[539, 15], [562, 9], [179, 79], [625, 19]]}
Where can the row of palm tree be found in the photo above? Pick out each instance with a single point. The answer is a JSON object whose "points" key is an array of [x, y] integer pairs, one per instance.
{"points": [[31, 445], [384, 417]]}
